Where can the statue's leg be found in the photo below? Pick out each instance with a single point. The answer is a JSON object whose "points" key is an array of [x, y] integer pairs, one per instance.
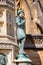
{"points": [[22, 44], [20, 47]]}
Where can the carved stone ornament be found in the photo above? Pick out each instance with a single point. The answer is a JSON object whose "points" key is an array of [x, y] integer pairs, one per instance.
{"points": [[5, 46]]}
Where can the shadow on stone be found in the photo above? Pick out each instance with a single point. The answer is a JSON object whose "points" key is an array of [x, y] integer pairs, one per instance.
{"points": [[32, 50]]}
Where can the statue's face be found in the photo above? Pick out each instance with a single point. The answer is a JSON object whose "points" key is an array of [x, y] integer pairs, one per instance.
{"points": [[21, 14]]}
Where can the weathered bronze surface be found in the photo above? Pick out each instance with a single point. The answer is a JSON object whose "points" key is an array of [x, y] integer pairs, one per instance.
{"points": [[20, 21]]}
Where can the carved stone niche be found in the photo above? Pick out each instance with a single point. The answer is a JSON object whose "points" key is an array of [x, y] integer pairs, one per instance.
{"points": [[8, 50]]}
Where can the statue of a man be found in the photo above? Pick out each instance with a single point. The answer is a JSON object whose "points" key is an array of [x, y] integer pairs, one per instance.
{"points": [[20, 21]]}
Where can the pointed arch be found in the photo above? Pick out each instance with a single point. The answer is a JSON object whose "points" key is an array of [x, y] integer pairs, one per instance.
{"points": [[40, 28]]}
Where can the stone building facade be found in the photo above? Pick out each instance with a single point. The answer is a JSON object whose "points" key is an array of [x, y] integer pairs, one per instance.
{"points": [[8, 42], [33, 12]]}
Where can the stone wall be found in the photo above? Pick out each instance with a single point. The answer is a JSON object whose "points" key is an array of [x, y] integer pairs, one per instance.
{"points": [[36, 56], [34, 48], [33, 14]]}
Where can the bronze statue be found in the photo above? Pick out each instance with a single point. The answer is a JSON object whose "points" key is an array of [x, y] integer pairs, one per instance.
{"points": [[22, 57], [20, 21]]}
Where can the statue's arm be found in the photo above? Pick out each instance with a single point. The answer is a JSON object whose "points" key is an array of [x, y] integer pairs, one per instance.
{"points": [[17, 19], [21, 22]]}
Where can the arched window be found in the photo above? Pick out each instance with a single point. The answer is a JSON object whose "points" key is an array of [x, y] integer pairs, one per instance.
{"points": [[38, 26]]}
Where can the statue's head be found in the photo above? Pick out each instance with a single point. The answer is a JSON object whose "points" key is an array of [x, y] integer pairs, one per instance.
{"points": [[20, 13]]}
